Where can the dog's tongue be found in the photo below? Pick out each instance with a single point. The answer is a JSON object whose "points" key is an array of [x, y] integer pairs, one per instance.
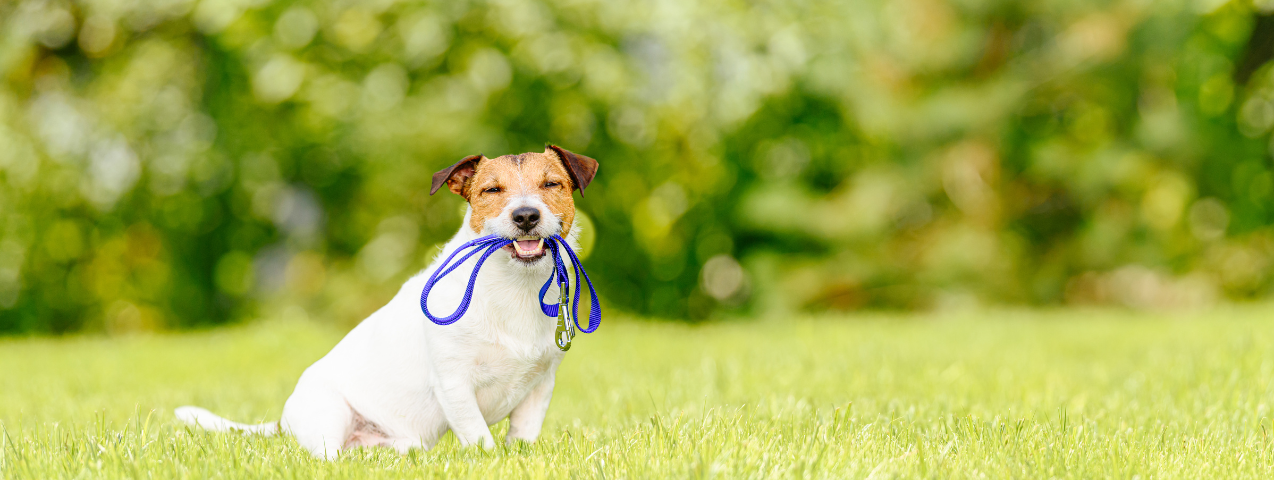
{"points": [[528, 245]]}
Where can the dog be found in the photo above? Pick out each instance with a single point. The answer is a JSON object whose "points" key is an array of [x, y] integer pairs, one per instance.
{"points": [[400, 381]]}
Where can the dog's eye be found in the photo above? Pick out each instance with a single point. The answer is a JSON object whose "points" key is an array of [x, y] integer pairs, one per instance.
{"points": [[551, 184], [493, 190]]}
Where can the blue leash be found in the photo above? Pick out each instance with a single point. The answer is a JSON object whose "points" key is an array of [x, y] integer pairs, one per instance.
{"points": [[568, 319]]}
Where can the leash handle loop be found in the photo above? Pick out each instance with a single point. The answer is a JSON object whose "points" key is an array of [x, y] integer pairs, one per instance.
{"points": [[491, 243]]}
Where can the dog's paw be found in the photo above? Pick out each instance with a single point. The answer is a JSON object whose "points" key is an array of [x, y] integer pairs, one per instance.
{"points": [[487, 442], [512, 439]]}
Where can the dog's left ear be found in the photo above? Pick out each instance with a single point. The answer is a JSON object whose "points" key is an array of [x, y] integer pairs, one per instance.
{"points": [[456, 175], [582, 169]]}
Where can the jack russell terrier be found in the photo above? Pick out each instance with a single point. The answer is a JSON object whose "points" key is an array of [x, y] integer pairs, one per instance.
{"points": [[400, 381]]}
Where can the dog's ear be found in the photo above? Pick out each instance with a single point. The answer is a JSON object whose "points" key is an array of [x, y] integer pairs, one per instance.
{"points": [[456, 175], [582, 169]]}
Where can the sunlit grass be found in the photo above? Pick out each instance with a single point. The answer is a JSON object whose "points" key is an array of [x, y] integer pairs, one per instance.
{"points": [[998, 395]]}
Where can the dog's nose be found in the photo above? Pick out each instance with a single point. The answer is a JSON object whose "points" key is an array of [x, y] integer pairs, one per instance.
{"points": [[526, 218]]}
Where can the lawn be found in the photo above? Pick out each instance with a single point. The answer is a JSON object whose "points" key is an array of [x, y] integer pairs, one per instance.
{"points": [[1060, 394]]}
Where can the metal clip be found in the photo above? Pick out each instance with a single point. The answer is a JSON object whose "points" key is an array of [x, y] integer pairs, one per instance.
{"points": [[565, 324]]}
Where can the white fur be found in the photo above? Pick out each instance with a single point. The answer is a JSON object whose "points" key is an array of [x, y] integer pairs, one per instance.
{"points": [[399, 380]]}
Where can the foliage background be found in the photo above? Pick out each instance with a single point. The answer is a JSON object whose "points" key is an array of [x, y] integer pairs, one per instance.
{"points": [[181, 163]]}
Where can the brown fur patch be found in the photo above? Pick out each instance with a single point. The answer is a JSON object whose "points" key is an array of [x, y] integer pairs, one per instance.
{"points": [[515, 175]]}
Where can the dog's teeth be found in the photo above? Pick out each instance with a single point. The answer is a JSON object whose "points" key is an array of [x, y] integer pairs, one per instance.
{"points": [[539, 246]]}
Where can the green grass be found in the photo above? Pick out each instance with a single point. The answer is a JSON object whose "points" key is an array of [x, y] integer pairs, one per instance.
{"points": [[998, 395]]}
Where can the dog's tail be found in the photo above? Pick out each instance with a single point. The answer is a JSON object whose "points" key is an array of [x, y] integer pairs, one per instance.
{"points": [[210, 421]]}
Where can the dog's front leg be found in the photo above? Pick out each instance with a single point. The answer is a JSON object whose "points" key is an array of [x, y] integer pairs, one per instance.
{"points": [[460, 405], [527, 418]]}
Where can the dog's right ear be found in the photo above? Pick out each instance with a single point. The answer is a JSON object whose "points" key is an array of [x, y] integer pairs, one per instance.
{"points": [[580, 168], [456, 175]]}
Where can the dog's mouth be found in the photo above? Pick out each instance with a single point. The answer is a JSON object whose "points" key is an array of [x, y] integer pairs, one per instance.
{"points": [[527, 249]]}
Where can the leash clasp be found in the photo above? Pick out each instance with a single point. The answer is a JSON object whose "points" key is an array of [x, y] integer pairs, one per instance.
{"points": [[565, 324]]}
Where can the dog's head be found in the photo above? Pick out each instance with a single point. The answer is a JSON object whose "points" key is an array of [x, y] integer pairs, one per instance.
{"points": [[526, 197]]}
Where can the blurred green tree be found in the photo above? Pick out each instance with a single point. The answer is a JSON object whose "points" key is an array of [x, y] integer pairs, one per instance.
{"points": [[184, 163]]}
